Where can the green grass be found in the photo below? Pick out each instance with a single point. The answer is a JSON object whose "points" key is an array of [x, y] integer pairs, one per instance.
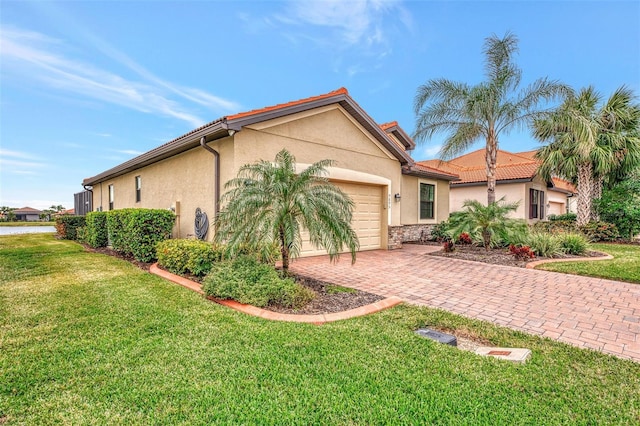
{"points": [[624, 267], [89, 339], [14, 224]]}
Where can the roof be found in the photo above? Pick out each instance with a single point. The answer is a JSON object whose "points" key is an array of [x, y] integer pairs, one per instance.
{"points": [[27, 210], [226, 126], [394, 129], [518, 166], [418, 169], [562, 185]]}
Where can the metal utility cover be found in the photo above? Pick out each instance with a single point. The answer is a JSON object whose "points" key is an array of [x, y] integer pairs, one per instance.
{"points": [[447, 339]]}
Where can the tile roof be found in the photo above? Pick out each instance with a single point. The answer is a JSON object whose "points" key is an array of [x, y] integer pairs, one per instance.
{"points": [[471, 167], [27, 210], [388, 125], [340, 91], [434, 170]]}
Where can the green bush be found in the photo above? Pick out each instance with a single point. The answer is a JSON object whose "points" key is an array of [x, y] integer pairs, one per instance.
{"points": [[439, 232], [544, 244], [568, 217], [188, 256], [67, 226], [265, 253], [136, 232], [555, 226], [573, 243], [96, 232], [600, 231], [247, 280]]}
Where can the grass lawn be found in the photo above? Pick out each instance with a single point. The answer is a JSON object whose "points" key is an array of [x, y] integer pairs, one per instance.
{"points": [[89, 339], [624, 267], [27, 224]]}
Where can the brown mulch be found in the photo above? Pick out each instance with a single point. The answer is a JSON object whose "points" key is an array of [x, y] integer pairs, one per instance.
{"points": [[323, 302], [497, 256]]}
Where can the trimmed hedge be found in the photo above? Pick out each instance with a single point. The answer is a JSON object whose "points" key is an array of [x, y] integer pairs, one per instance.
{"points": [[247, 280], [96, 233], [188, 256], [136, 232], [600, 231], [67, 226]]}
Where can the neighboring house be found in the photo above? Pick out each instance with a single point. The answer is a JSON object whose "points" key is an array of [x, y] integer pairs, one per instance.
{"points": [[27, 214], [517, 179], [396, 200]]}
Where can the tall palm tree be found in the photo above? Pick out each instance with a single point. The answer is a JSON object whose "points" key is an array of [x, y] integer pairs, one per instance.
{"points": [[484, 111], [589, 142], [271, 203]]}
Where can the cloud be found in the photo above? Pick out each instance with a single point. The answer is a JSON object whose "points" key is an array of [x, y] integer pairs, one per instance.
{"points": [[427, 152], [17, 154], [129, 152], [20, 163], [39, 57]]}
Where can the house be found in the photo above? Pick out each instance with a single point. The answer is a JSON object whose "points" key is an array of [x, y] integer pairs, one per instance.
{"points": [[517, 179], [27, 214], [396, 200]]}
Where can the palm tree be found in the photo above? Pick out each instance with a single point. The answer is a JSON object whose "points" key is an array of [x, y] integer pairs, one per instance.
{"points": [[485, 111], [589, 142], [270, 203], [487, 221]]}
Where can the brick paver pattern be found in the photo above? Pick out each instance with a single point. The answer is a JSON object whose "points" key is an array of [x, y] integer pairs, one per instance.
{"points": [[593, 313]]}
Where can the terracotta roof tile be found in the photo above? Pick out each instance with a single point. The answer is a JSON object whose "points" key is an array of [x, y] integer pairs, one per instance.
{"points": [[27, 210], [563, 185], [340, 91], [388, 125], [429, 169]]}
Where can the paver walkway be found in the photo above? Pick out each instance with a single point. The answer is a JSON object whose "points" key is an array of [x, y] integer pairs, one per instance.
{"points": [[587, 312]]}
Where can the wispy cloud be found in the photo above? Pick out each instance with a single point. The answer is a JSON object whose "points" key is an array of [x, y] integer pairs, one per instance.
{"points": [[128, 151], [17, 154], [427, 152], [43, 59], [19, 162]]}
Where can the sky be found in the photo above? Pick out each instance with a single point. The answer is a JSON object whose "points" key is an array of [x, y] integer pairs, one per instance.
{"points": [[87, 85]]}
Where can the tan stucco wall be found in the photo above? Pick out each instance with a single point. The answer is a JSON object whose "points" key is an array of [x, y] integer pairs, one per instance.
{"points": [[557, 202], [185, 182], [410, 195], [323, 133]]}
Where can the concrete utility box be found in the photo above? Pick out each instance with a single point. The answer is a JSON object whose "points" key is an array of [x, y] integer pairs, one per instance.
{"points": [[438, 336]]}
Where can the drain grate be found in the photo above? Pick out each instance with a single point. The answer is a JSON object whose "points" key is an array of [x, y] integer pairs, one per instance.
{"points": [[445, 338]]}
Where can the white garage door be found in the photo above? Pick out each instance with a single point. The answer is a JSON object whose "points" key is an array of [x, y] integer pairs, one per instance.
{"points": [[367, 217]]}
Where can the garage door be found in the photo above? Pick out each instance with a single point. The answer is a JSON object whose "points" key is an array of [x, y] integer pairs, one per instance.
{"points": [[367, 217]]}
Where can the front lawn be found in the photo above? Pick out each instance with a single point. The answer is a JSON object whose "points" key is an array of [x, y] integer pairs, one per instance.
{"points": [[90, 339], [624, 267], [15, 224]]}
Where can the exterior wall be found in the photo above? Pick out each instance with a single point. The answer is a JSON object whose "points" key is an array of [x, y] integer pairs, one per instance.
{"points": [[410, 196], [541, 185], [557, 203], [408, 233], [511, 191], [325, 133], [28, 217], [184, 182]]}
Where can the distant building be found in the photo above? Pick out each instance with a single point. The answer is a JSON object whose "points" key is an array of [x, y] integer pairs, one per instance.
{"points": [[27, 214]]}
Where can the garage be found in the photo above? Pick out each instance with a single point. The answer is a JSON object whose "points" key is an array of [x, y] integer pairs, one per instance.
{"points": [[367, 217]]}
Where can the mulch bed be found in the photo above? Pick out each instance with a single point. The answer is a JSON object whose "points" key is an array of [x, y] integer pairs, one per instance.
{"points": [[497, 256], [324, 302]]}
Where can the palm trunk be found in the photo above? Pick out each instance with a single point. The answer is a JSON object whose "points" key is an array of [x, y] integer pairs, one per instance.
{"points": [[584, 194], [284, 250], [596, 193], [491, 160]]}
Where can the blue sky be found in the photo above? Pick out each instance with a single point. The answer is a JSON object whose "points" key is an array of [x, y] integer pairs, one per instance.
{"points": [[86, 85]]}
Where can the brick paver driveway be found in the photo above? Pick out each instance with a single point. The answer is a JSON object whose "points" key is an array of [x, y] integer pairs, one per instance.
{"points": [[586, 312]]}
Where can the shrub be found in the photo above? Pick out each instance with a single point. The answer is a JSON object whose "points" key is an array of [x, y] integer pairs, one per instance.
{"points": [[188, 256], [449, 246], [439, 232], [600, 231], [96, 233], [264, 252], [555, 226], [573, 243], [247, 280], [521, 252], [67, 226], [544, 244], [137, 231], [464, 238], [567, 217]]}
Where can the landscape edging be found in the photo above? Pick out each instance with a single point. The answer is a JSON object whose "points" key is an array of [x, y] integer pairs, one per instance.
{"points": [[317, 319], [532, 265]]}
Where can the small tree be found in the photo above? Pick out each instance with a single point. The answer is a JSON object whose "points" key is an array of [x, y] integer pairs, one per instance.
{"points": [[488, 221], [269, 202], [620, 205]]}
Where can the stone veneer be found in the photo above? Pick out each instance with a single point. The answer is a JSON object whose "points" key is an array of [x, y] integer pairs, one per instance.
{"points": [[406, 233]]}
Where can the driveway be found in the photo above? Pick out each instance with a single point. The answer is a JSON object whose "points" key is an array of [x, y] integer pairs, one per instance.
{"points": [[586, 312]]}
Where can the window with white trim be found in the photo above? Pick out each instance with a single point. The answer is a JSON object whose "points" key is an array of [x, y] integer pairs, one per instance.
{"points": [[111, 197], [138, 189]]}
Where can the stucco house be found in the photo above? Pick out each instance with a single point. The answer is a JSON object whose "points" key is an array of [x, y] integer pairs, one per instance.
{"points": [[517, 179], [396, 199], [27, 214]]}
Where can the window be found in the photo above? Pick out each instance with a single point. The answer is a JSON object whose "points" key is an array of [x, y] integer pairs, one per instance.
{"points": [[110, 197], [138, 188], [427, 201], [536, 204]]}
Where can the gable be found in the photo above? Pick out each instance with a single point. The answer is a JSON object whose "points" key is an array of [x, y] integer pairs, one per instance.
{"points": [[329, 126]]}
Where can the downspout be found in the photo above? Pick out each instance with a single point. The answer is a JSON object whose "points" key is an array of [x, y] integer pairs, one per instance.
{"points": [[216, 154]]}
